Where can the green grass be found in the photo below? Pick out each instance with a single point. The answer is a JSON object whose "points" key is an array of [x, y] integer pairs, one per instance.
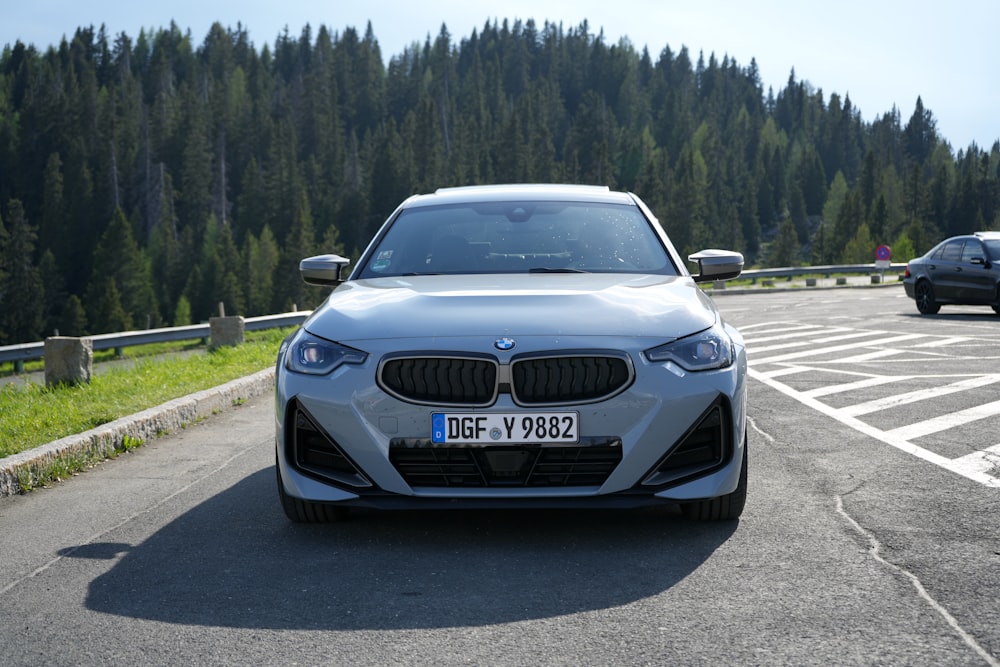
{"points": [[32, 414]]}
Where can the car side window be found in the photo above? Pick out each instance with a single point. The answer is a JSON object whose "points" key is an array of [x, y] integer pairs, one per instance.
{"points": [[972, 250], [952, 251]]}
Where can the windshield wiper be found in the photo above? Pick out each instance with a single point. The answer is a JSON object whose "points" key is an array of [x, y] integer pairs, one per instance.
{"points": [[547, 269]]}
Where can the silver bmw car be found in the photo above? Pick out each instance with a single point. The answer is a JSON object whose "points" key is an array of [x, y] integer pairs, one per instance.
{"points": [[514, 346]]}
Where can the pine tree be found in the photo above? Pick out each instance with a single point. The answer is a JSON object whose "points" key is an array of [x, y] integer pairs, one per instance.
{"points": [[290, 291], [119, 258], [785, 250], [261, 261], [21, 291], [72, 318], [106, 314]]}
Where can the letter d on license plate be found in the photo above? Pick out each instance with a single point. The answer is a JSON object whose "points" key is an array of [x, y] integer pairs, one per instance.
{"points": [[494, 428]]}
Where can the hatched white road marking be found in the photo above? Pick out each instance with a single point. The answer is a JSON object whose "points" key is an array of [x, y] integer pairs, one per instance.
{"points": [[785, 335], [920, 395], [815, 341], [871, 345], [944, 342], [803, 354], [874, 381], [980, 462], [892, 438], [944, 422]]}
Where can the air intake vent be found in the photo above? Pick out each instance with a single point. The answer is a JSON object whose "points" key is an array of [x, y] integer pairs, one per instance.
{"points": [[703, 449], [314, 452], [510, 466]]}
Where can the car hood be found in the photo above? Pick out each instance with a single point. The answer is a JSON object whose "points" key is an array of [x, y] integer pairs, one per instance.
{"points": [[513, 304]]}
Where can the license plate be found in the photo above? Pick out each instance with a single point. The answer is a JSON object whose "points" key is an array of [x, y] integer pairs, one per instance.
{"points": [[502, 428]]}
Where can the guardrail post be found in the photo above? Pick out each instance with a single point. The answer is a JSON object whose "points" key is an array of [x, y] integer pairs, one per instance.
{"points": [[68, 360], [226, 331]]}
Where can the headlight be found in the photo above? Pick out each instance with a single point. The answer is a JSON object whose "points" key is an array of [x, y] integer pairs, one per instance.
{"points": [[311, 354], [703, 351]]}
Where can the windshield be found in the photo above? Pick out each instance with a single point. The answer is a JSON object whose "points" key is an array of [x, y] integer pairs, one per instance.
{"points": [[518, 237]]}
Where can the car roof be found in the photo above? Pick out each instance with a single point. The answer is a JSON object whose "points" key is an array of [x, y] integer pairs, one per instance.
{"points": [[520, 192], [988, 235]]}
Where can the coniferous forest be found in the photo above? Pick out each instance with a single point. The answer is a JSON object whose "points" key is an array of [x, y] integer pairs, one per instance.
{"points": [[145, 179]]}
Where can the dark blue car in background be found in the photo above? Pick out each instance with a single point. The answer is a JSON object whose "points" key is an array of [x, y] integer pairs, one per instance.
{"points": [[962, 270]]}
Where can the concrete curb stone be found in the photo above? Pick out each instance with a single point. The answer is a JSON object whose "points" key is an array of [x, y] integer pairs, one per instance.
{"points": [[145, 425]]}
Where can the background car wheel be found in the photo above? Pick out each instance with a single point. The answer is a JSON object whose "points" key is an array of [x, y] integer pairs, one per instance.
{"points": [[303, 511], [723, 508], [924, 296]]}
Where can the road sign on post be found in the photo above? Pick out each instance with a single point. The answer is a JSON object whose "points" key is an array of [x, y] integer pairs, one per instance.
{"points": [[883, 254]]}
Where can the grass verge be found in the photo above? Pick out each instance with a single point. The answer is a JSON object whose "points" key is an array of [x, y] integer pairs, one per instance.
{"points": [[32, 415]]}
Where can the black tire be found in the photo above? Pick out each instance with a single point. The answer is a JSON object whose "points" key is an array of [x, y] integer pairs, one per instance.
{"points": [[923, 294], [724, 508], [303, 511]]}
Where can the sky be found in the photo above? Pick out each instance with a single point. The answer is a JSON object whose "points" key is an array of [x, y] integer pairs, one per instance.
{"points": [[880, 53]]}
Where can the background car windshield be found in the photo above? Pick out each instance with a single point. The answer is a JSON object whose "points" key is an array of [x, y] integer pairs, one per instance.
{"points": [[519, 237]]}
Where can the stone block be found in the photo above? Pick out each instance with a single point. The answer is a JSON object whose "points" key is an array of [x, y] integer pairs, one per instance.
{"points": [[226, 331], [68, 360]]}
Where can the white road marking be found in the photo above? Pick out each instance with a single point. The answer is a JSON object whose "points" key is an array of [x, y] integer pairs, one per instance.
{"points": [[802, 354], [789, 370], [785, 335], [944, 422], [944, 342], [815, 341], [891, 438], [982, 466], [981, 461], [869, 356], [874, 381], [920, 395]]}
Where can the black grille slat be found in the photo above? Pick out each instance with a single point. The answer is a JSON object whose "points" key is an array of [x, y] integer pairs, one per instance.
{"points": [[441, 380], [535, 380], [428, 466], [568, 379]]}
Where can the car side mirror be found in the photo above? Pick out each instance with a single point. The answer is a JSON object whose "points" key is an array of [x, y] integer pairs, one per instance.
{"points": [[323, 270], [717, 265]]}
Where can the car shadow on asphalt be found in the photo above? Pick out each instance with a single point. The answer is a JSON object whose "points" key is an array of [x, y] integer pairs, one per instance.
{"points": [[235, 561]]}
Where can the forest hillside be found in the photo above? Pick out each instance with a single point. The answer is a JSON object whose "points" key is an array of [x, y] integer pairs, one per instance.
{"points": [[146, 178]]}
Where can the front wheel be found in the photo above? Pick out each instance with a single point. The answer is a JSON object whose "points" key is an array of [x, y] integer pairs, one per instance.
{"points": [[924, 296], [723, 508]]}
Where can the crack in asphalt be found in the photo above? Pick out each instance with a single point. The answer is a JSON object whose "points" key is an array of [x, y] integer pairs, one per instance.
{"points": [[874, 547]]}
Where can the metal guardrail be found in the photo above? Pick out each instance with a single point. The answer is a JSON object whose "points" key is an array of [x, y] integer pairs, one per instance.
{"points": [[117, 341], [826, 270]]}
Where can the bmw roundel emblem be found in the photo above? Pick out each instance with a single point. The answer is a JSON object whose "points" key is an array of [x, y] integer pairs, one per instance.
{"points": [[504, 344]]}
